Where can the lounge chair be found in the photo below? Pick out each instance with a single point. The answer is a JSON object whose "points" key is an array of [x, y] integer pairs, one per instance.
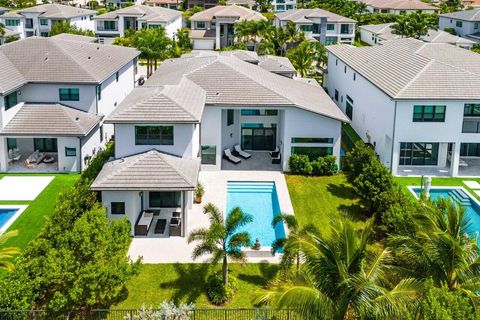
{"points": [[227, 154], [13, 155], [177, 213], [35, 158], [277, 159], [241, 153], [160, 226], [275, 152], [175, 228], [144, 223]]}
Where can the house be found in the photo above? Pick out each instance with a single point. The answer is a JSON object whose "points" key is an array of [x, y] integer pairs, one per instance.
{"points": [[416, 103], [115, 23], [318, 24], [374, 34], [170, 4], [244, 3], [206, 4], [399, 6], [54, 94], [191, 110], [8, 34], [38, 20], [3, 10], [214, 28], [122, 3], [284, 5], [465, 23]]}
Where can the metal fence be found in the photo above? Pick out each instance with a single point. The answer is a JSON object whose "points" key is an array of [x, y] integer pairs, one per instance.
{"points": [[194, 314]]}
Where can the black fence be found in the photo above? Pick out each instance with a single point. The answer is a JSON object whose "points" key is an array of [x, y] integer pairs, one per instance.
{"points": [[153, 314]]}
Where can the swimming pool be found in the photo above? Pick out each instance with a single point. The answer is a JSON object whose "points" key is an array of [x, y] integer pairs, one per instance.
{"points": [[5, 216], [260, 200], [462, 197]]}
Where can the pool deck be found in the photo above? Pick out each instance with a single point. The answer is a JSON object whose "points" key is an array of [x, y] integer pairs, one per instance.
{"points": [[177, 249]]}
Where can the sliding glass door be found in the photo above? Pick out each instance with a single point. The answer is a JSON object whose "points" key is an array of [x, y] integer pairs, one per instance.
{"points": [[418, 154], [259, 138]]}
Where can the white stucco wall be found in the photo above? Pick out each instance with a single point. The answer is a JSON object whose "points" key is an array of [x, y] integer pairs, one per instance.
{"points": [[211, 134], [84, 22], [68, 164], [132, 205], [90, 145], [468, 27], [172, 26]]}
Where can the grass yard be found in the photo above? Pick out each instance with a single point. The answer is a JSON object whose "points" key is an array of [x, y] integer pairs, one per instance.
{"points": [[186, 283]]}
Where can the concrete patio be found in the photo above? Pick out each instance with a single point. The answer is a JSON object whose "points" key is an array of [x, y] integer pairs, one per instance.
{"points": [[260, 161], [177, 249]]}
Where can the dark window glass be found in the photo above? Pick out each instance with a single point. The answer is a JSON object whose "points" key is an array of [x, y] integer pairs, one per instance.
{"points": [[69, 94], [45, 144], [312, 140], [330, 26], [313, 152], [429, 113], [418, 154], [471, 110], [118, 207], [258, 112], [164, 199], [209, 155], [154, 135], [98, 89], [11, 100], [344, 29], [230, 117], [70, 152], [11, 143], [336, 94], [116, 76], [349, 110]]}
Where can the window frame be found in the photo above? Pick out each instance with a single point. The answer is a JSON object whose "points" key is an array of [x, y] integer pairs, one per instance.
{"points": [[69, 95], [45, 147], [113, 204], [176, 197], [150, 140], [230, 117], [70, 152], [8, 100], [422, 115], [208, 158]]}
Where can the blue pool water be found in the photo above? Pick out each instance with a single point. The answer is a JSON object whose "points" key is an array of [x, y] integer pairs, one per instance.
{"points": [[5, 215], [472, 209], [260, 200]]}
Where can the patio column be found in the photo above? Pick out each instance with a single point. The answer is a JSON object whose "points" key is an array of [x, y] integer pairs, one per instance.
{"points": [[3, 155], [395, 158], [184, 216], [217, 35], [455, 160]]}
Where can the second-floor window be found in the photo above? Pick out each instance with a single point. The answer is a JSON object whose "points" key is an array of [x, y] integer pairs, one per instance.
{"points": [[28, 23], [306, 27], [471, 110], [154, 135], [43, 22], [12, 22], [69, 94], [330, 26], [429, 113], [344, 29], [459, 24], [11, 100], [109, 25], [200, 24]]}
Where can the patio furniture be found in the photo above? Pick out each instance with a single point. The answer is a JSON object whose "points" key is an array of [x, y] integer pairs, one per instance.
{"points": [[48, 159], [34, 159], [241, 153], [14, 155], [275, 152], [227, 154], [177, 213], [143, 224], [160, 226], [277, 159], [175, 229]]}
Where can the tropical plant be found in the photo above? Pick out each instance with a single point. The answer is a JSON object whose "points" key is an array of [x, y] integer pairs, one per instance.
{"points": [[183, 39], [476, 48], [242, 31], [222, 239], [302, 58], [293, 34], [263, 5], [339, 280], [401, 27], [65, 27], [2, 29], [7, 252], [154, 44], [441, 249], [415, 25], [266, 47]]}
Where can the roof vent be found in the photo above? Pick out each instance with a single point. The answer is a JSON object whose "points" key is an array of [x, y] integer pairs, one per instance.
{"points": [[217, 93], [77, 118], [89, 58]]}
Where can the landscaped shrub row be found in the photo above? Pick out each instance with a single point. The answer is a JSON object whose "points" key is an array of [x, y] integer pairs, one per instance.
{"points": [[322, 166]]}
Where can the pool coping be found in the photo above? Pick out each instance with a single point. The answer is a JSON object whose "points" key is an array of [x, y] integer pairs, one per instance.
{"points": [[20, 209], [410, 188]]}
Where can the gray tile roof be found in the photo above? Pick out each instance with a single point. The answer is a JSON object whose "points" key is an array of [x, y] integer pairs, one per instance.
{"points": [[50, 120], [304, 15], [244, 55], [148, 171], [182, 103], [9, 33], [75, 37], [276, 64], [231, 81], [144, 13], [413, 69], [54, 60], [231, 11], [400, 4], [201, 34], [467, 15], [56, 10]]}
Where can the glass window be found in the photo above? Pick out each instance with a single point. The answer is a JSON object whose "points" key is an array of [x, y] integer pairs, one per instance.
{"points": [[336, 95], [471, 110], [109, 25], [45, 144], [330, 26], [69, 94], [429, 113], [258, 112], [117, 76], [44, 34], [153, 135], [98, 90], [344, 29], [230, 117], [201, 25], [164, 199], [11, 100], [43, 22], [118, 207], [11, 143], [418, 154], [12, 22], [209, 155], [313, 152], [70, 152], [312, 140], [349, 109], [459, 24], [306, 27], [470, 150]]}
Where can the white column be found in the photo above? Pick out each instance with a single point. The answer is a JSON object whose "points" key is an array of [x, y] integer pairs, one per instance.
{"points": [[455, 160], [442, 154], [217, 35], [3, 155], [395, 157]]}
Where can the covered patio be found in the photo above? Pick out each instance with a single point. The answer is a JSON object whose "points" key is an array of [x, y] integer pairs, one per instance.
{"points": [[259, 161]]}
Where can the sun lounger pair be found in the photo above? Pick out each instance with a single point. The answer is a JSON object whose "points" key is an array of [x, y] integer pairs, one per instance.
{"points": [[143, 224], [227, 154]]}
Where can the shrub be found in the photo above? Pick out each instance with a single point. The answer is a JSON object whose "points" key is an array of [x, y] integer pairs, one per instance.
{"points": [[96, 164], [324, 166], [300, 164], [358, 158], [217, 293]]}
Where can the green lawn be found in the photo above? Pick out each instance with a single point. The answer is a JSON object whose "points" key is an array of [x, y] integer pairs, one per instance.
{"points": [[186, 283], [32, 219]]}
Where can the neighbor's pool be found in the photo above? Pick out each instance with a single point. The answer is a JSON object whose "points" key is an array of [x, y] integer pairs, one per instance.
{"points": [[5, 215], [463, 198], [260, 200]]}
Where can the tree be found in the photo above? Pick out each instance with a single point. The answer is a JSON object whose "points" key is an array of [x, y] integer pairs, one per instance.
{"points": [[360, 155], [183, 39], [154, 44], [2, 29], [415, 25], [266, 47], [401, 27], [242, 31], [319, 53], [476, 48], [7, 252], [441, 249], [262, 5], [292, 34], [338, 280], [302, 58], [65, 27], [222, 239]]}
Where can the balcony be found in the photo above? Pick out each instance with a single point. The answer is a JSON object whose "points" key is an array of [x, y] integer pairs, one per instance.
{"points": [[102, 28]]}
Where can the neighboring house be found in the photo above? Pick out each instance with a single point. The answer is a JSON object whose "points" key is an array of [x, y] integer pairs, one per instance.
{"points": [[191, 110], [318, 24], [245, 3], [207, 4], [417, 103], [214, 28], [465, 23], [284, 5], [374, 34], [38, 20], [8, 33], [3, 10], [114, 24], [170, 4], [398, 6], [53, 96]]}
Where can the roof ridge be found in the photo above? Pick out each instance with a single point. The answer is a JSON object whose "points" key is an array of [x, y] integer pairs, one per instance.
{"points": [[55, 42], [162, 156], [64, 110], [415, 77], [173, 87]]}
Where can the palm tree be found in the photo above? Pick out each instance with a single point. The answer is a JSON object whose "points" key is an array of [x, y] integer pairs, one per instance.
{"points": [[241, 31], [290, 245], [221, 239], [319, 53], [338, 280], [8, 252], [402, 26], [419, 25], [302, 58], [2, 29], [292, 34], [154, 44], [441, 249], [266, 47]]}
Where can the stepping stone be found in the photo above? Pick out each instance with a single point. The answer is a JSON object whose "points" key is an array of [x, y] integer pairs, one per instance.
{"points": [[472, 184]]}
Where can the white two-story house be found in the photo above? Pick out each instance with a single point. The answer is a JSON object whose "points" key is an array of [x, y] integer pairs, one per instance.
{"points": [[399, 6], [318, 24], [465, 23], [416, 103], [185, 117], [114, 24], [54, 94], [38, 20], [214, 28]]}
